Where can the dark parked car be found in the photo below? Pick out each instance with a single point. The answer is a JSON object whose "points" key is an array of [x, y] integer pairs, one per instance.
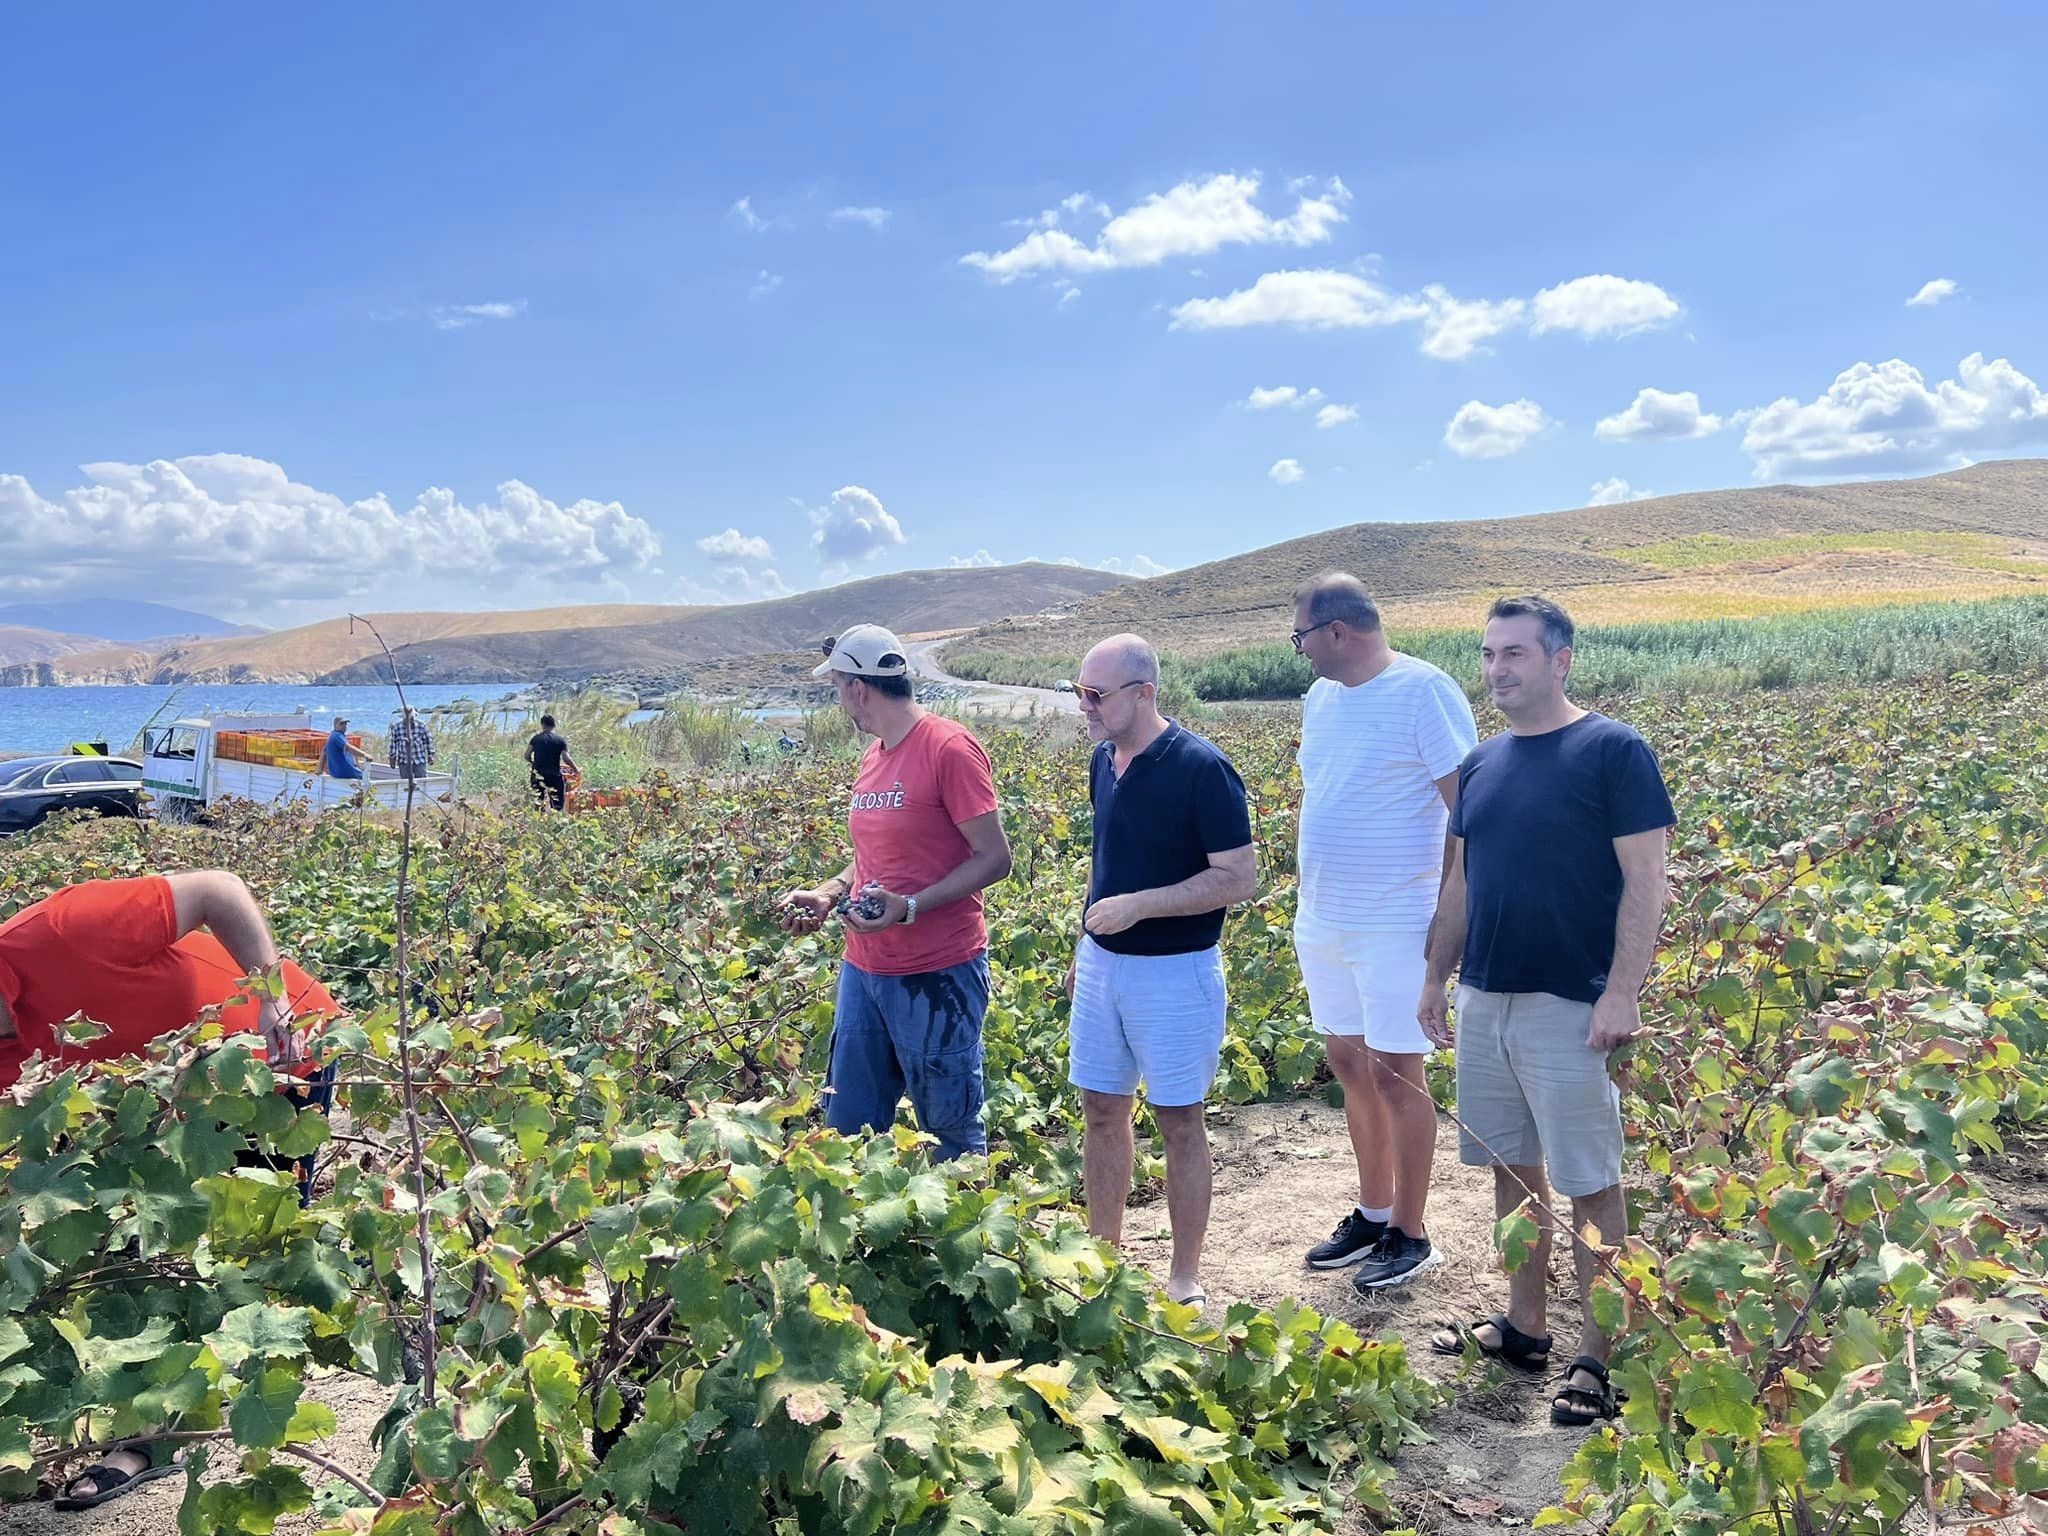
{"points": [[32, 787]]}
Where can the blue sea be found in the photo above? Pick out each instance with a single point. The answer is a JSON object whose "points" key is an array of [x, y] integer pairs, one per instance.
{"points": [[50, 719]]}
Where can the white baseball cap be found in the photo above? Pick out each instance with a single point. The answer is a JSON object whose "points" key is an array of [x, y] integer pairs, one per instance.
{"points": [[866, 650]]}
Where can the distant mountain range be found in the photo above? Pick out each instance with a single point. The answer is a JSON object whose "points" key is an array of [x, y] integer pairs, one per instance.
{"points": [[117, 621], [570, 644]]}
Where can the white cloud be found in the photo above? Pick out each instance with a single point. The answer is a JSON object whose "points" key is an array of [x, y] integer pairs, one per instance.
{"points": [[734, 584], [1144, 567], [1603, 305], [1657, 416], [765, 284], [453, 317], [1321, 299], [1191, 219], [734, 545], [1455, 328], [1494, 431], [228, 526], [1336, 415], [874, 218], [854, 525], [1078, 204], [1933, 292], [1314, 299], [1286, 472], [1140, 566], [1885, 418], [743, 210], [1605, 493], [1281, 395]]}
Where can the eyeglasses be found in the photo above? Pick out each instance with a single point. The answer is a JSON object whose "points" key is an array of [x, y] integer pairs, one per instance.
{"points": [[1093, 697], [1299, 635]]}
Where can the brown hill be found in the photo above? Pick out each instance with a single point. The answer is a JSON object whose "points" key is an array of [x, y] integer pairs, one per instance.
{"points": [[1734, 553], [20, 644], [909, 602], [305, 653]]}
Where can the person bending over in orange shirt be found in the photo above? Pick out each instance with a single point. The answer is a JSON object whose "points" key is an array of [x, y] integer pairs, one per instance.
{"points": [[144, 957]]}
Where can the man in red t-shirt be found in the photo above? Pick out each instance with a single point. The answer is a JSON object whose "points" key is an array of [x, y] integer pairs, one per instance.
{"points": [[927, 840]]}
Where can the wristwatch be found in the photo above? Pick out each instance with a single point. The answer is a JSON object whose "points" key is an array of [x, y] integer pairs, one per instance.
{"points": [[909, 910]]}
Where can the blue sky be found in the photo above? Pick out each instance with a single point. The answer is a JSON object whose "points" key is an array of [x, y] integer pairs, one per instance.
{"points": [[465, 305]]}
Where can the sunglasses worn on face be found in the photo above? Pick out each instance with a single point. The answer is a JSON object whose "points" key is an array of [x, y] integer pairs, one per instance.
{"points": [[1094, 696], [1299, 635]]}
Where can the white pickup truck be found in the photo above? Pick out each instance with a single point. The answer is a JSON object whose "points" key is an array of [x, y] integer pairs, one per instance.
{"points": [[184, 772]]}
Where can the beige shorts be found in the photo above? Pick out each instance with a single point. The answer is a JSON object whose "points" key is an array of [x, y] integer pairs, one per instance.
{"points": [[1533, 1092]]}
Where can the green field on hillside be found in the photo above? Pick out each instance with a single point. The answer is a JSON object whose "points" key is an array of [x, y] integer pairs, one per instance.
{"points": [[1855, 645]]}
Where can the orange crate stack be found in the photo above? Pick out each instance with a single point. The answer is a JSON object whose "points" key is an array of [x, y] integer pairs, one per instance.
{"points": [[295, 750]]}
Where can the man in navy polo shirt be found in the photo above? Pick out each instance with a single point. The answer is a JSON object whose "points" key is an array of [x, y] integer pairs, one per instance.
{"points": [[1173, 849]]}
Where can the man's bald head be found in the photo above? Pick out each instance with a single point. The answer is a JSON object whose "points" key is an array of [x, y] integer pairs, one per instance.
{"points": [[1337, 596], [1130, 657]]}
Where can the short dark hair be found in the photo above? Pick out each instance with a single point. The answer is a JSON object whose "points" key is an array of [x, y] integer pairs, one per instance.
{"points": [[547, 722], [1558, 630], [888, 687], [1338, 595]]}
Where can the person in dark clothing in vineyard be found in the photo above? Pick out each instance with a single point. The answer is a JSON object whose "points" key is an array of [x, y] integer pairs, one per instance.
{"points": [[548, 763]]}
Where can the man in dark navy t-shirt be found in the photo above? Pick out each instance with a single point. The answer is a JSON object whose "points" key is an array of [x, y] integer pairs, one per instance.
{"points": [[548, 762], [1173, 849], [1553, 895]]}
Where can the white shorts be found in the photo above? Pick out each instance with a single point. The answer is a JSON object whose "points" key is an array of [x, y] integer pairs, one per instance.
{"points": [[1366, 984], [1159, 1018]]}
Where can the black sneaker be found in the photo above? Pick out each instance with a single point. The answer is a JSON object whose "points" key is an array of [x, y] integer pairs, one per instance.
{"points": [[1356, 1236], [1398, 1259]]}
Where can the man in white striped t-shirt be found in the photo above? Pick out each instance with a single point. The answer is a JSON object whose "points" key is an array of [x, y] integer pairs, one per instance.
{"points": [[1382, 735]]}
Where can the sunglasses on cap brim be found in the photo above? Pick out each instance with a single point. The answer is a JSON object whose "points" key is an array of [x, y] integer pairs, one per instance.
{"points": [[860, 668]]}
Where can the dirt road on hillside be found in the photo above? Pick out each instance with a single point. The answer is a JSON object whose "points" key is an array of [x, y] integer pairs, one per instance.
{"points": [[1002, 699]]}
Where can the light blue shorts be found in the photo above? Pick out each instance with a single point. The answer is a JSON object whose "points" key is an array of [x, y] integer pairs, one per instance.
{"points": [[1152, 1018]]}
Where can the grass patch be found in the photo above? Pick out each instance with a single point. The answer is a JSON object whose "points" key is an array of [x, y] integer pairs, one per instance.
{"points": [[612, 753], [1999, 636], [1704, 551]]}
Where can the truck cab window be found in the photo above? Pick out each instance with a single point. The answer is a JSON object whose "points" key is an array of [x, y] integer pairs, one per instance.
{"points": [[180, 741]]}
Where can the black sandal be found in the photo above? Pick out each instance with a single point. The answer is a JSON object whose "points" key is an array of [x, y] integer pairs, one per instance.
{"points": [[110, 1482], [1524, 1351], [1580, 1407]]}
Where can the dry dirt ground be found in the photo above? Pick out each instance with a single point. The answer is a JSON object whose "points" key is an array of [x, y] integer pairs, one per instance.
{"points": [[1283, 1177]]}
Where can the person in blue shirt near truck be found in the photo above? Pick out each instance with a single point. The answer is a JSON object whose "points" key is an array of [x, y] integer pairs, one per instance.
{"points": [[1173, 850], [342, 755]]}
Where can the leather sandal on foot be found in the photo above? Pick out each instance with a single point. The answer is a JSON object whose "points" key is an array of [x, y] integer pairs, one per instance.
{"points": [[1525, 1352], [109, 1482], [1581, 1407]]}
